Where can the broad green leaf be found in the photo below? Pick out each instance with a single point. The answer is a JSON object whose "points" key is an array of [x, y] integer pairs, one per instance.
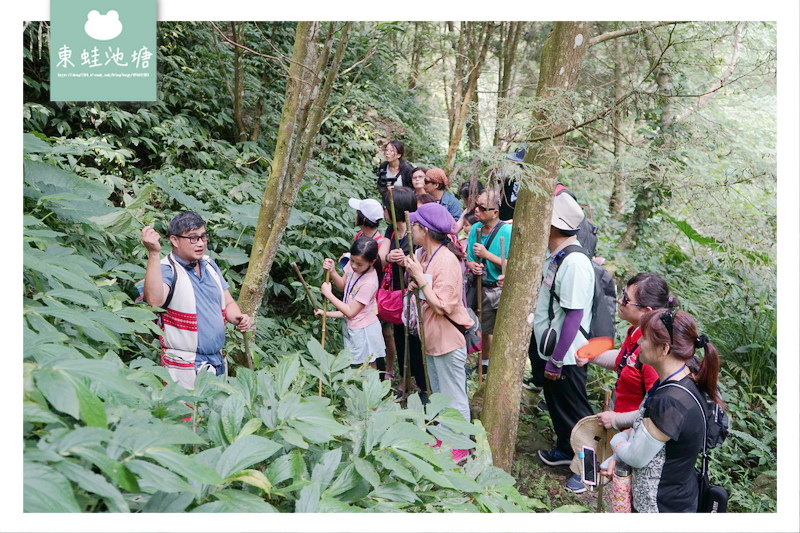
{"points": [[235, 501], [245, 452], [436, 403], [329, 504], [71, 295], [58, 388], [285, 373], [154, 478], [455, 421], [82, 437], [168, 502], [255, 478], [402, 431], [250, 427], [34, 413], [231, 416], [92, 409], [184, 465], [450, 438], [94, 483], [493, 476], [280, 469], [67, 314], [325, 468], [346, 480], [31, 144], [44, 490], [571, 508], [426, 469], [396, 492], [394, 466], [462, 482], [157, 434], [293, 437], [233, 256], [367, 471], [308, 502], [115, 470]]}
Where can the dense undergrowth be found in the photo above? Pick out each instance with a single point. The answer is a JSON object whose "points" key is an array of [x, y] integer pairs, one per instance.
{"points": [[103, 432]]}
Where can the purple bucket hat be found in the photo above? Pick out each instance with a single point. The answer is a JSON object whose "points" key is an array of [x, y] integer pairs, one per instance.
{"points": [[433, 216]]}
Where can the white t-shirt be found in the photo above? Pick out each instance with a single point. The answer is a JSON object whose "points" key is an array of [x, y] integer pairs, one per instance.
{"points": [[574, 284]]}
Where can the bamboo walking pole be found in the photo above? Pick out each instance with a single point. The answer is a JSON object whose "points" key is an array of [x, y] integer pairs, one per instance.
{"points": [[401, 270], [316, 306], [419, 325], [324, 326], [480, 317], [601, 455]]}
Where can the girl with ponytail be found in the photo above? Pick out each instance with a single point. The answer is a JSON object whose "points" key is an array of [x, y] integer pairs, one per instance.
{"points": [[668, 434]]}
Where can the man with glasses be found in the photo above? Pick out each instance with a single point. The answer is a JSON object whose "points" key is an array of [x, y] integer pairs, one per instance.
{"points": [[436, 184], [196, 299], [484, 259]]}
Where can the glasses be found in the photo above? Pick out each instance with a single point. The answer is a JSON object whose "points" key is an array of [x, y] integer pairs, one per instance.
{"points": [[194, 238], [666, 318], [484, 208], [431, 182], [624, 301]]}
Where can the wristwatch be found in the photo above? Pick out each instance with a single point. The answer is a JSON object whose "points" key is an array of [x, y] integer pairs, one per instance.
{"points": [[557, 364]]}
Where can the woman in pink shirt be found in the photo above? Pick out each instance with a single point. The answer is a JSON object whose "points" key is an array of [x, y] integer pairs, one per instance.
{"points": [[437, 276], [362, 330]]}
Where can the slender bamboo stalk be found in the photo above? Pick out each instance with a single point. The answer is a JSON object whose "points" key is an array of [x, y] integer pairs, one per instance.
{"points": [[324, 325], [601, 456], [503, 256], [480, 317], [419, 325]]}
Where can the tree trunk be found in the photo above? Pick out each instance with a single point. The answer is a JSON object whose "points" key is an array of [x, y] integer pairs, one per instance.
{"points": [[300, 122], [474, 125], [506, 73], [237, 33], [462, 92], [616, 203], [560, 65], [415, 57]]}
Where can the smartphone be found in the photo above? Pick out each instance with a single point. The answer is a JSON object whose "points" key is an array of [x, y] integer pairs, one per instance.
{"points": [[589, 471]]}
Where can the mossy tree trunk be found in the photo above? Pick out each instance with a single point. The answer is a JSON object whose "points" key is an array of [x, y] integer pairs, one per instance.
{"points": [[313, 69], [560, 65]]}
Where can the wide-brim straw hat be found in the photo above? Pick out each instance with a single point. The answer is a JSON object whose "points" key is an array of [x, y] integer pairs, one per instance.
{"points": [[589, 432]]}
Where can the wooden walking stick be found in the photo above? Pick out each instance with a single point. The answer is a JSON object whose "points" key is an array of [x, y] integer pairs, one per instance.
{"points": [[324, 326], [310, 295], [316, 305], [503, 256], [419, 326], [602, 454], [480, 317], [401, 270]]}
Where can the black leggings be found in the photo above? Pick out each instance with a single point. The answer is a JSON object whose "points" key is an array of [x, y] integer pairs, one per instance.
{"points": [[415, 350]]}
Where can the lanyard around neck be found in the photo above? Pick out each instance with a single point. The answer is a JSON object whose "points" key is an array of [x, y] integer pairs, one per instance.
{"points": [[431, 259], [352, 287]]}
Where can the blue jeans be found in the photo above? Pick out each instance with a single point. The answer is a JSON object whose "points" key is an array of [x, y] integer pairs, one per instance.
{"points": [[448, 375], [204, 361]]}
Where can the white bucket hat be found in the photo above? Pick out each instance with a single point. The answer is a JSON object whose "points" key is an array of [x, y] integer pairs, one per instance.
{"points": [[567, 214]]}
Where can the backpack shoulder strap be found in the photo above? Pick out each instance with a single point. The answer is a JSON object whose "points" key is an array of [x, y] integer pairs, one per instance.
{"points": [[558, 259], [493, 235], [174, 281], [705, 420]]}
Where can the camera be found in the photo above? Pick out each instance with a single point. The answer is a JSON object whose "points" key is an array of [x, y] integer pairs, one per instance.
{"points": [[384, 180]]}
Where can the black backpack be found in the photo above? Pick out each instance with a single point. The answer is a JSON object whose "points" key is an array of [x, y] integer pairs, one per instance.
{"points": [[604, 302], [587, 232]]}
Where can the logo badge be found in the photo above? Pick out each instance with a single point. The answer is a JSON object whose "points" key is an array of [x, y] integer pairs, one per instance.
{"points": [[103, 50]]}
